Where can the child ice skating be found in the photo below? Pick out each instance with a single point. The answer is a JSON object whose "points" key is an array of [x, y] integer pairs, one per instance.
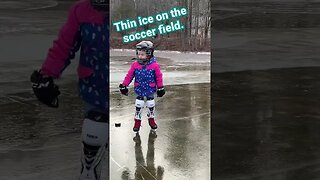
{"points": [[148, 80], [87, 28]]}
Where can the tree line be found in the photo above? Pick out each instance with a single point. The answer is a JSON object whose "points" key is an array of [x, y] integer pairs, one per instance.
{"points": [[194, 37]]}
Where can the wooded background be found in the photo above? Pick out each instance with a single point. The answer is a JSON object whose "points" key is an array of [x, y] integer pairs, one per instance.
{"points": [[194, 37]]}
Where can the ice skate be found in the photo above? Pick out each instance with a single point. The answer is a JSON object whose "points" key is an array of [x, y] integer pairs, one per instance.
{"points": [[152, 124], [91, 162], [95, 134], [137, 124]]}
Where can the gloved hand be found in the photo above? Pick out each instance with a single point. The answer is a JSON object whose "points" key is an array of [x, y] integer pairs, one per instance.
{"points": [[123, 89], [161, 91], [45, 90]]}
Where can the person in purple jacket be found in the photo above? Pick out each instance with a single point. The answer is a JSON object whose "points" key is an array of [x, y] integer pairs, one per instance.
{"points": [[148, 80], [87, 28]]}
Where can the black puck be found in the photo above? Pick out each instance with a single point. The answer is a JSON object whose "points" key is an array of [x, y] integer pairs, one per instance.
{"points": [[118, 124]]}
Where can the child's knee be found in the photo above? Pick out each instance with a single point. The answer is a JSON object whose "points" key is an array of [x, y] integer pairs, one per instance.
{"points": [[139, 103], [151, 103]]}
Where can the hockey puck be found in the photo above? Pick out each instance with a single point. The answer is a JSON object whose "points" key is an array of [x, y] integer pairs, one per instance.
{"points": [[118, 124]]}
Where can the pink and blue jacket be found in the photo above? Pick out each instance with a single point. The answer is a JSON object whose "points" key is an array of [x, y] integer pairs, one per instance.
{"points": [[86, 29], [147, 77]]}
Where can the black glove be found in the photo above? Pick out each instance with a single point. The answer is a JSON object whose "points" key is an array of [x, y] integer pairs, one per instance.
{"points": [[44, 89], [123, 89], [161, 91]]}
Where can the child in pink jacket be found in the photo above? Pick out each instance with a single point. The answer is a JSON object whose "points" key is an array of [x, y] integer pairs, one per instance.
{"points": [[87, 30], [148, 80]]}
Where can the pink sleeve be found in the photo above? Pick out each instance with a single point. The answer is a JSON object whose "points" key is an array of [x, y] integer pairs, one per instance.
{"points": [[158, 76], [59, 54], [127, 80]]}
